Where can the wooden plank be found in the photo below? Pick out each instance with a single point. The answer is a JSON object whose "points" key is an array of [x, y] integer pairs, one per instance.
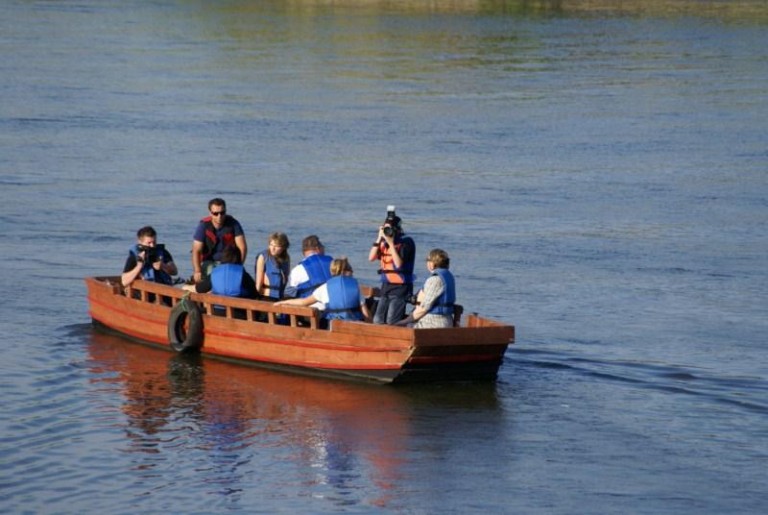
{"points": [[463, 336]]}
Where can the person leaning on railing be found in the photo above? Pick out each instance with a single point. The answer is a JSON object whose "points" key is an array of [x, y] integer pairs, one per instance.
{"points": [[340, 295]]}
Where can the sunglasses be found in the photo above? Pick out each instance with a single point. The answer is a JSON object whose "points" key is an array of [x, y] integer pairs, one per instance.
{"points": [[217, 213]]}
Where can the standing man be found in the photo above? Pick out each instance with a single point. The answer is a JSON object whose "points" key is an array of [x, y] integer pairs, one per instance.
{"points": [[215, 232], [313, 271], [396, 253]]}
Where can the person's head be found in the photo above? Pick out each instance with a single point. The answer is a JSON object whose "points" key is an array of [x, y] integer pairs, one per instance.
{"points": [[439, 258], [341, 266], [231, 254], [147, 236], [394, 222], [312, 245], [218, 210], [278, 245]]}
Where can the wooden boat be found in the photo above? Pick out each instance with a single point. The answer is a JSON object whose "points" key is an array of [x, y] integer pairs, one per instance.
{"points": [[259, 332]]}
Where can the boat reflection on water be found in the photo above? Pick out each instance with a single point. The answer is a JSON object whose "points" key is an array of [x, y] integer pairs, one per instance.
{"points": [[334, 431]]}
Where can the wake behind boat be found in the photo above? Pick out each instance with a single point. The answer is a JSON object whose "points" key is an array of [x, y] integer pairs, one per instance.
{"points": [[262, 333]]}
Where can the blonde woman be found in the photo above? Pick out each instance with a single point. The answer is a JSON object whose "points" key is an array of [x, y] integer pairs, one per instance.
{"points": [[340, 295], [273, 265]]}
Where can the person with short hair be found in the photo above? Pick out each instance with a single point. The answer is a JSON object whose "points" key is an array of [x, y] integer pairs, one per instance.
{"points": [[213, 234], [435, 302], [340, 295], [147, 260], [273, 265], [313, 271]]}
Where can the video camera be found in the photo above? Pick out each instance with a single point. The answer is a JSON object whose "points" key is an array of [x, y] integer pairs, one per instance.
{"points": [[153, 254]]}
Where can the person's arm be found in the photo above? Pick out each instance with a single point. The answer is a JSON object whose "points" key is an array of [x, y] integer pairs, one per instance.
{"points": [[132, 269], [396, 259], [373, 254], [170, 268], [197, 260], [243, 246], [166, 264], [306, 301], [433, 289], [203, 286], [297, 276], [259, 271], [366, 312]]}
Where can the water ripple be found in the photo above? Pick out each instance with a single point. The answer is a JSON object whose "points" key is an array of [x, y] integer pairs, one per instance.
{"points": [[742, 392]]}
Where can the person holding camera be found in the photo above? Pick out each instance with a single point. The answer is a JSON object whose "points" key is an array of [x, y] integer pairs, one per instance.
{"points": [[396, 253], [148, 260]]}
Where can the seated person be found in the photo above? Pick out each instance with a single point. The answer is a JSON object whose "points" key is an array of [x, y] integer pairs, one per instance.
{"points": [[273, 265], [435, 301], [229, 278], [147, 260], [311, 272], [340, 295]]}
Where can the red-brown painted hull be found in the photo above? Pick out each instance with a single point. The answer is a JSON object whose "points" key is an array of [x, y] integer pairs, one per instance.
{"points": [[353, 349]]}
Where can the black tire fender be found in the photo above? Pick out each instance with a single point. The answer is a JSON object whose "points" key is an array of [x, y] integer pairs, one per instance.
{"points": [[185, 326]]}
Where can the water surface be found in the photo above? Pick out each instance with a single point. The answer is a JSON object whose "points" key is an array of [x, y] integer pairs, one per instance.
{"points": [[596, 170]]}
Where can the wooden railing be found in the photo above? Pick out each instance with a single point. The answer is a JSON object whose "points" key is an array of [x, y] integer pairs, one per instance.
{"points": [[242, 309], [251, 310]]}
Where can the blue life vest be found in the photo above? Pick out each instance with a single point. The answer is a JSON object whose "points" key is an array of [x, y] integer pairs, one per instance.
{"points": [[227, 279], [444, 304], [318, 267], [277, 274], [343, 299], [147, 270]]}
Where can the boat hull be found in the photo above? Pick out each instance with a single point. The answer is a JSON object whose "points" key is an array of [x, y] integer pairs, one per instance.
{"points": [[289, 337]]}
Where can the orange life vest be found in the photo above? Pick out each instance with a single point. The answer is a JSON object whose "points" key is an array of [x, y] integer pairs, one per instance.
{"points": [[389, 272]]}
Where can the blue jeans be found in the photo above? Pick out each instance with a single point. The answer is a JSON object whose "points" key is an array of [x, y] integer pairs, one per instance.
{"points": [[391, 308]]}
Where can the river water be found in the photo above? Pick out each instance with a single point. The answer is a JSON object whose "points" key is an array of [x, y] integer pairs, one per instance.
{"points": [[597, 171]]}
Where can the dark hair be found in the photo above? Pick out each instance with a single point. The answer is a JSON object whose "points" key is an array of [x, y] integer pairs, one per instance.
{"points": [[147, 230], [311, 242], [217, 202], [395, 222], [231, 254]]}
